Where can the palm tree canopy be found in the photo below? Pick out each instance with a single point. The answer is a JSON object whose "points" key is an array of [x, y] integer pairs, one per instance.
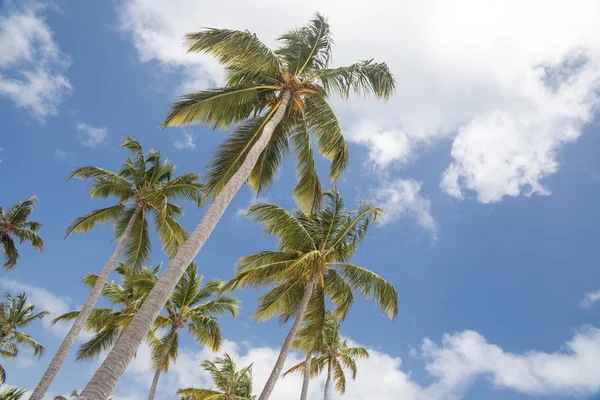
{"points": [[196, 307], [107, 323], [146, 181], [15, 314], [12, 393], [256, 76], [74, 395], [230, 384], [331, 349], [318, 248], [15, 223]]}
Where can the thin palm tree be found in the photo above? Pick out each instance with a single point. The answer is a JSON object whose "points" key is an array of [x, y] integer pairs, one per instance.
{"points": [[229, 383], [15, 223], [144, 187], [311, 265], [274, 98], [15, 314], [335, 355], [12, 393], [108, 323], [196, 308]]}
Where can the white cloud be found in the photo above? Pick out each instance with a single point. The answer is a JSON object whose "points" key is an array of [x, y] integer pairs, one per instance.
{"points": [[590, 299], [465, 356], [453, 365], [64, 155], [402, 198], [31, 64], [90, 136], [188, 141], [494, 77]]}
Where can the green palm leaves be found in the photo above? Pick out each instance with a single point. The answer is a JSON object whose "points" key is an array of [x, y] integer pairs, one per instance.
{"points": [[318, 248], [108, 323], [14, 223], [15, 314], [229, 383], [196, 308], [256, 78], [144, 182], [332, 353]]}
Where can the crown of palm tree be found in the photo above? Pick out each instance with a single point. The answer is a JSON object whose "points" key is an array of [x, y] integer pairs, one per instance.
{"points": [[332, 351], [16, 314], [12, 393], [15, 223], [74, 395], [143, 181], [108, 323], [230, 384], [196, 307], [316, 247], [256, 78]]}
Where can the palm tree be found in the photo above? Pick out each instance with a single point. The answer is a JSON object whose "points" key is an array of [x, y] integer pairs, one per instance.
{"points": [[14, 223], [144, 187], [12, 393], [312, 264], [230, 384], [335, 355], [190, 306], [16, 314], [108, 323], [273, 97]]}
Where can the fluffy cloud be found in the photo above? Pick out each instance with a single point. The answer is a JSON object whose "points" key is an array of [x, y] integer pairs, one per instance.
{"points": [[187, 141], [90, 136], [64, 155], [590, 299], [402, 198], [31, 63], [453, 365], [512, 83]]}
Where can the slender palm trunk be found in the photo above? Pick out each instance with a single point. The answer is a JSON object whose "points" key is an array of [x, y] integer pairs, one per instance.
{"points": [[81, 319], [163, 358], [285, 347], [306, 380], [327, 381], [107, 376]]}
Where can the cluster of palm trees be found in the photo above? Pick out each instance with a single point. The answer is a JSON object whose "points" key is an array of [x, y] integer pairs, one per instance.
{"points": [[275, 101]]}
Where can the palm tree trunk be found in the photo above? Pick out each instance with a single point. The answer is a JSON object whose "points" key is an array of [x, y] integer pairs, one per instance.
{"points": [[326, 394], [107, 376], [163, 358], [79, 323], [306, 380], [285, 347]]}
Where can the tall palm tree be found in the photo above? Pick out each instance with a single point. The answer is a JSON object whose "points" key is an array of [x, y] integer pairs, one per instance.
{"points": [[273, 97], [230, 384], [193, 306], [14, 223], [335, 355], [16, 314], [144, 187], [108, 323], [312, 264]]}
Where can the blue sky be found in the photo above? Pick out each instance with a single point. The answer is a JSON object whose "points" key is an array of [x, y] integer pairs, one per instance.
{"points": [[486, 160]]}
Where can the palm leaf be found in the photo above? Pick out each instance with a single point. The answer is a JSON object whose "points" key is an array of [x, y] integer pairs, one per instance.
{"points": [[103, 215]]}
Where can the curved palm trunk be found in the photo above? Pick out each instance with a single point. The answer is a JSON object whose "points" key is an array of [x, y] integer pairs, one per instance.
{"points": [[327, 381], [107, 376], [285, 347], [306, 380], [78, 325], [163, 358]]}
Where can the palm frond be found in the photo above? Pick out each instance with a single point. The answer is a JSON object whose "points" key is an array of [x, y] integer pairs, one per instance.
{"points": [[102, 215], [308, 191]]}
